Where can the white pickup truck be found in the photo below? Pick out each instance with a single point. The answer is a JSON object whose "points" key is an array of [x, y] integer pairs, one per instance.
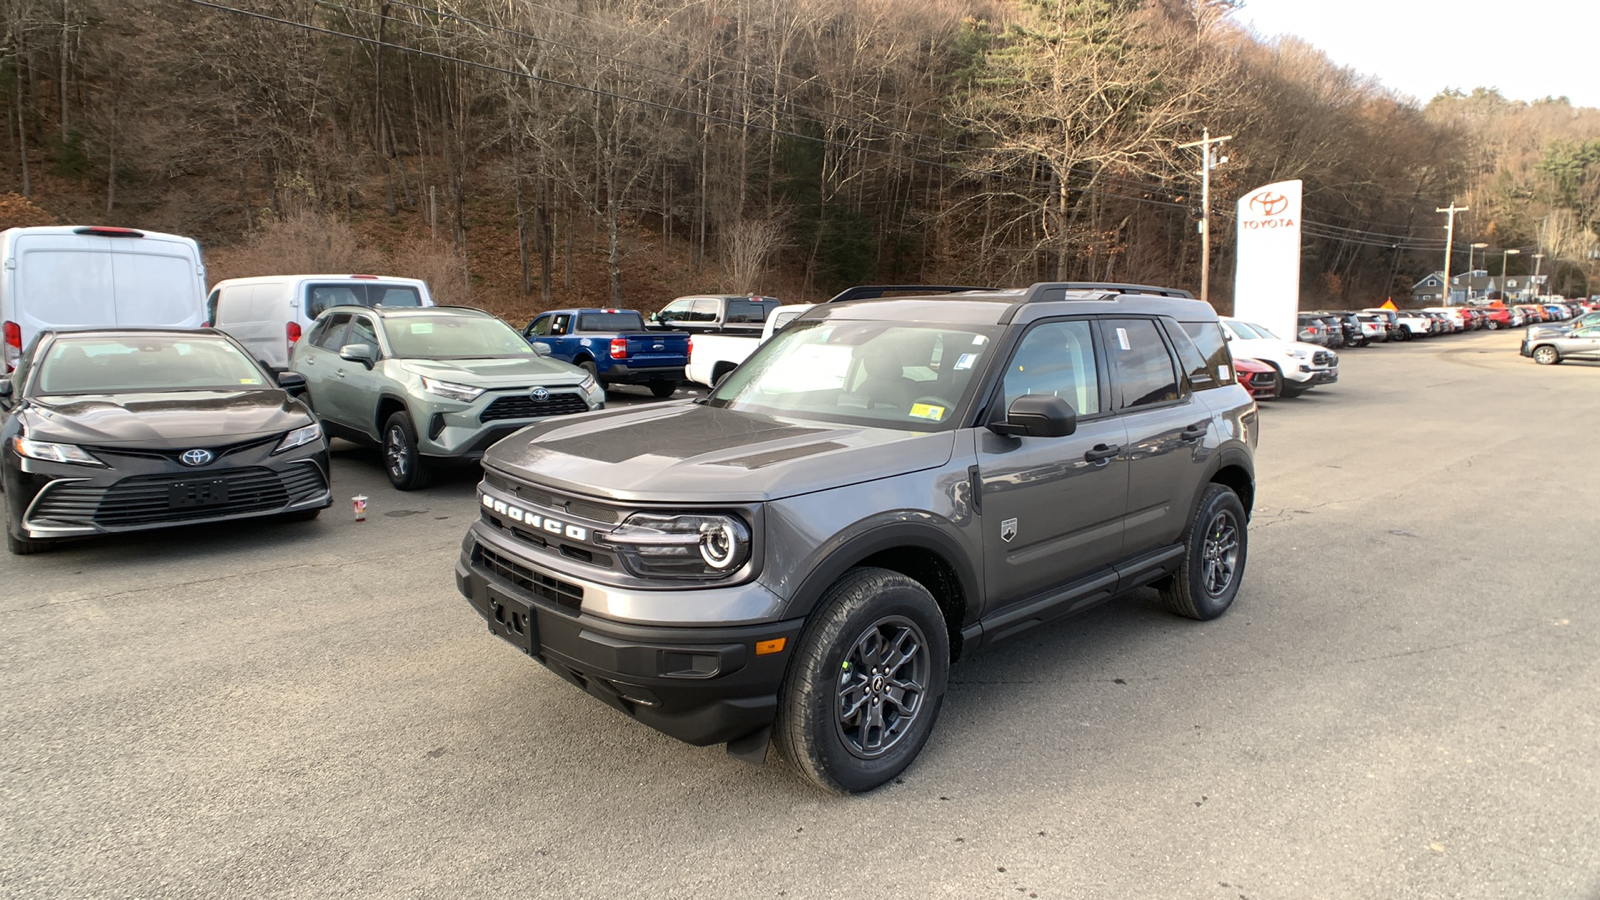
{"points": [[712, 356]]}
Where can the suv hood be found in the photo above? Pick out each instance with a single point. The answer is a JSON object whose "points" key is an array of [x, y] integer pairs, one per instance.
{"points": [[495, 372], [163, 420], [693, 454]]}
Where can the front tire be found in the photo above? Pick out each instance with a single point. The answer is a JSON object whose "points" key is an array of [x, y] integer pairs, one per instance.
{"points": [[402, 462], [1216, 543], [21, 546], [866, 683], [1546, 355]]}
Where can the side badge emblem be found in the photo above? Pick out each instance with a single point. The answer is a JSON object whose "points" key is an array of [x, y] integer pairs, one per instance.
{"points": [[1008, 530]]}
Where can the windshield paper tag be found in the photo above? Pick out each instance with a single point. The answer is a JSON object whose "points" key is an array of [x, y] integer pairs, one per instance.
{"points": [[427, 328], [1122, 339], [249, 381], [966, 361], [927, 411]]}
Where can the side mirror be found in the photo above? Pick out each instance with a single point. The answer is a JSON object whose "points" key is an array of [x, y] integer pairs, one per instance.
{"points": [[1038, 415], [540, 349], [293, 383], [361, 353]]}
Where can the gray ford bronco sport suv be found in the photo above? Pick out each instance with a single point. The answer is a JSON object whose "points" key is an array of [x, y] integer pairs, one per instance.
{"points": [[887, 485]]}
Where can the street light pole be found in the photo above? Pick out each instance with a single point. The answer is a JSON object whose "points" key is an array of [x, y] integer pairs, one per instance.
{"points": [[1449, 240], [1470, 248], [1505, 262], [1205, 142]]}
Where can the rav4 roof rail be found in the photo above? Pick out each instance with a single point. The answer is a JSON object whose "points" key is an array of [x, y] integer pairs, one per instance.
{"points": [[869, 291], [1035, 292]]}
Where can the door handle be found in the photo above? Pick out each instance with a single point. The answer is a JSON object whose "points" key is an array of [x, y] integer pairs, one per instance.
{"points": [[341, 373], [1101, 453], [1195, 432]]}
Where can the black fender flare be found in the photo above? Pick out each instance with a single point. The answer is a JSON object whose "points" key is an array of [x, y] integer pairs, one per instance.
{"points": [[1226, 457], [383, 398], [871, 537]]}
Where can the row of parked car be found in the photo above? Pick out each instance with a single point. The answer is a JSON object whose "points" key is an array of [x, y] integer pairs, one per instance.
{"points": [[1379, 325]]}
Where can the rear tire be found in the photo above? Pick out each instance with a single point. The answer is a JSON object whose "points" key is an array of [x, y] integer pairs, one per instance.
{"points": [[866, 682], [661, 390], [402, 462], [1215, 546]]}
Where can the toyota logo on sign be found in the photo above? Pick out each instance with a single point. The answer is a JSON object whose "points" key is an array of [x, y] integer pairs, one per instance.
{"points": [[196, 457], [1269, 204], [540, 395]]}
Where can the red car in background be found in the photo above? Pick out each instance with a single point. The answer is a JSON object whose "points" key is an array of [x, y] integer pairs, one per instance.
{"points": [[1259, 378], [1498, 317]]}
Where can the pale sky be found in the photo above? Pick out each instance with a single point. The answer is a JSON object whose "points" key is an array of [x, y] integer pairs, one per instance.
{"points": [[1529, 49]]}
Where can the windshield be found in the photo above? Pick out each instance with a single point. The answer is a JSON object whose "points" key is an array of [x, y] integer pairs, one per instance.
{"points": [[914, 377], [145, 362], [1256, 331], [456, 336]]}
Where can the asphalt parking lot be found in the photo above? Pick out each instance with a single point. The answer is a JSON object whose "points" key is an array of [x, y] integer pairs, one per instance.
{"points": [[1403, 702]]}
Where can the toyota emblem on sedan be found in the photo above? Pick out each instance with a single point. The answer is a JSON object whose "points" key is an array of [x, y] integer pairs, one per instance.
{"points": [[196, 457], [540, 395]]}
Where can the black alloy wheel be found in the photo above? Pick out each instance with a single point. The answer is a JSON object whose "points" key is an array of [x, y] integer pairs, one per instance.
{"points": [[1216, 543], [401, 459], [865, 686]]}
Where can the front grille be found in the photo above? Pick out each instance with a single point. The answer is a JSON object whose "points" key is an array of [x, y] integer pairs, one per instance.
{"points": [[1323, 358], [568, 596], [523, 406], [172, 455], [143, 499]]}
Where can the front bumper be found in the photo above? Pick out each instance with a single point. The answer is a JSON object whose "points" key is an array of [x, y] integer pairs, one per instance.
{"points": [[706, 684], [448, 429], [622, 373], [140, 491]]}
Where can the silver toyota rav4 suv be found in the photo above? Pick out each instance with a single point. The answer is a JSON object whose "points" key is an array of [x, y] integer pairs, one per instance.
{"points": [[886, 486]]}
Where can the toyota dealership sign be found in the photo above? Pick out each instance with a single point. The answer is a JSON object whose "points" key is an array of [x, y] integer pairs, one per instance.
{"points": [[1266, 281]]}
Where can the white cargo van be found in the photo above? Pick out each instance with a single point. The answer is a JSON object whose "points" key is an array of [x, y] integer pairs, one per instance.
{"points": [[269, 313], [93, 276]]}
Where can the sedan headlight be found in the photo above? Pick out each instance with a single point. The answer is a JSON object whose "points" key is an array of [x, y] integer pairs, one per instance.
{"points": [[57, 453], [299, 438], [450, 390], [682, 546]]}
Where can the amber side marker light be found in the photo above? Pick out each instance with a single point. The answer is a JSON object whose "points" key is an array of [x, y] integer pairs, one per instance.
{"points": [[767, 648]]}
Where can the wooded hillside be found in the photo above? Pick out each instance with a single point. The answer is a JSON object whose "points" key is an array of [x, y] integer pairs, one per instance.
{"points": [[527, 153]]}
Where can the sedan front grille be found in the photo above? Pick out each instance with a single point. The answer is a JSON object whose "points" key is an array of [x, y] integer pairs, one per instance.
{"points": [[144, 499], [523, 406]]}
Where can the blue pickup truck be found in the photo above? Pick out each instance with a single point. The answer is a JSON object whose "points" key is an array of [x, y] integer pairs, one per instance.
{"points": [[613, 346]]}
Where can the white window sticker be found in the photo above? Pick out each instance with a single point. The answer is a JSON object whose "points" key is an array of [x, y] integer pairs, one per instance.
{"points": [[1122, 339], [966, 361], [422, 328], [1222, 373]]}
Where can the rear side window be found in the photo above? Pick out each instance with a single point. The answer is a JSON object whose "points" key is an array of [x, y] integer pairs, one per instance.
{"points": [[1143, 367], [1204, 355]]}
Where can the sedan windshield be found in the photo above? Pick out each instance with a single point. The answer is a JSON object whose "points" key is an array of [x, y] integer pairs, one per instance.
{"points": [[869, 373], [145, 362], [453, 337]]}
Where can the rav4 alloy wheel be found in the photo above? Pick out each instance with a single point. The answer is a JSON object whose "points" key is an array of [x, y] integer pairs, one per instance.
{"points": [[1546, 355], [401, 459], [866, 683], [1215, 544]]}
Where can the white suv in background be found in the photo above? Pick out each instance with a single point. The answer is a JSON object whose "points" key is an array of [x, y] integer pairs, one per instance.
{"points": [[1300, 366]]}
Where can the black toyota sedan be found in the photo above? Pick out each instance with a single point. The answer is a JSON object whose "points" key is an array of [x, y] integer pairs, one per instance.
{"points": [[131, 429]]}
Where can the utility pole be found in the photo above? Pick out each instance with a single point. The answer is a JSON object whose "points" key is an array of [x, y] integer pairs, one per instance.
{"points": [[1449, 240], [1538, 260], [1205, 142]]}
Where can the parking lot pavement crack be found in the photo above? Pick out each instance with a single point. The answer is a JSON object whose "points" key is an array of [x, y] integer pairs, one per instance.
{"points": [[341, 563]]}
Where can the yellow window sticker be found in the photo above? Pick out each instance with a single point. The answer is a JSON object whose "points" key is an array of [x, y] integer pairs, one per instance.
{"points": [[422, 328], [927, 411]]}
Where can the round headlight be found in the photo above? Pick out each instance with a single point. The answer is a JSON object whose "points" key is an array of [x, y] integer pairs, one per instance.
{"points": [[719, 544]]}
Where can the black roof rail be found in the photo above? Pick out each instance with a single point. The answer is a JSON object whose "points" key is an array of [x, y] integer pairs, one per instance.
{"points": [[870, 291], [1035, 291]]}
